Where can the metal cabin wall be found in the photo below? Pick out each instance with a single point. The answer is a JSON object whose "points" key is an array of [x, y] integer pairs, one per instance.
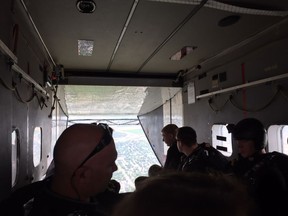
{"points": [[19, 111], [171, 112], [32, 59], [5, 105], [152, 123], [5, 128], [268, 61], [59, 116]]}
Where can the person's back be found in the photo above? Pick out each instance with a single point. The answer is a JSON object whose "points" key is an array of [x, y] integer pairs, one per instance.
{"points": [[198, 157], [205, 158], [84, 158], [173, 157]]}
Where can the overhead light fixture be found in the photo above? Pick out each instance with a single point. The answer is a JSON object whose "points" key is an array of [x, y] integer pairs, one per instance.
{"points": [[85, 47], [182, 53], [229, 20], [86, 6]]}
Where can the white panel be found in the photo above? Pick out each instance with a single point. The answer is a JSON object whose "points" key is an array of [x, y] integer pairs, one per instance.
{"points": [[222, 139], [166, 113], [172, 110], [278, 138], [166, 120], [273, 138], [177, 109], [285, 139], [191, 93]]}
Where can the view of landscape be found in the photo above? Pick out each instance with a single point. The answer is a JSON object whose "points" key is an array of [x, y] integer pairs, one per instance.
{"points": [[135, 155]]}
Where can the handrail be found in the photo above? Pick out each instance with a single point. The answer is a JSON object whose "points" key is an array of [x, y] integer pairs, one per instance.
{"points": [[282, 76], [7, 52], [17, 69]]}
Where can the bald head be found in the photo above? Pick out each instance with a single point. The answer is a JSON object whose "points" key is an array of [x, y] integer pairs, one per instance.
{"points": [[74, 144], [73, 160]]}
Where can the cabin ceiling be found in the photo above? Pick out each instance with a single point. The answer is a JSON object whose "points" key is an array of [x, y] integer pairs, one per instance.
{"points": [[134, 39]]}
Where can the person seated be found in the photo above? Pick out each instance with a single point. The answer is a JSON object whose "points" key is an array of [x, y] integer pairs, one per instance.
{"points": [[266, 174], [185, 193], [154, 170], [198, 157], [84, 160], [139, 180]]}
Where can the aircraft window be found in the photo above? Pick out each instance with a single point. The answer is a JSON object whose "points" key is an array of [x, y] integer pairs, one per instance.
{"points": [[278, 138], [37, 146], [221, 139], [15, 154], [135, 155]]}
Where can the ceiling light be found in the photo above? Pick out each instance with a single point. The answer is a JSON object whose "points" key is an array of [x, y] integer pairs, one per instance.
{"points": [[85, 47], [183, 52], [229, 20], [86, 6]]}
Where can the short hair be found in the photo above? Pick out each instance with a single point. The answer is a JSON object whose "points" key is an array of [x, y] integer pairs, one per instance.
{"points": [[170, 129], [139, 180], [154, 170], [187, 135], [185, 193]]}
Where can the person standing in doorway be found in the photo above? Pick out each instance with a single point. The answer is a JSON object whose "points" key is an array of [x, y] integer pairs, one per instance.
{"points": [[173, 157]]}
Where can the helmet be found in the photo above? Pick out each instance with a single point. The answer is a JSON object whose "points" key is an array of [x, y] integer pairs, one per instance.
{"points": [[251, 129]]}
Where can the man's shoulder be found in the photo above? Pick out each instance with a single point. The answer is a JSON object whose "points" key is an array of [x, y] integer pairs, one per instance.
{"points": [[210, 149], [277, 154], [20, 200], [215, 156], [207, 147], [276, 158], [49, 203]]}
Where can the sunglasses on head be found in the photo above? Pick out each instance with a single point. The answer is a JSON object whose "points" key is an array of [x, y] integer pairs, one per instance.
{"points": [[106, 139]]}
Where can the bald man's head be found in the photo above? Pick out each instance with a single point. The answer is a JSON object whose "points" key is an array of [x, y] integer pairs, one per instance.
{"points": [[84, 158], [75, 144]]}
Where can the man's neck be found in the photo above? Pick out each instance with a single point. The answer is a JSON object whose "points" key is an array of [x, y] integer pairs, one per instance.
{"points": [[67, 190]]}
